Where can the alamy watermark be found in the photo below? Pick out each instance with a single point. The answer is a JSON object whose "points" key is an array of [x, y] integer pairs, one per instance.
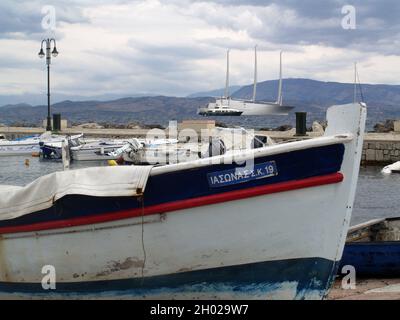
{"points": [[349, 280], [49, 20], [349, 20], [214, 146], [49, 278]]}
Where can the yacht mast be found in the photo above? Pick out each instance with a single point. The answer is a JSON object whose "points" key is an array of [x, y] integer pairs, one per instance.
{"points": [[279, 101], [255, 74], [227, 75]]}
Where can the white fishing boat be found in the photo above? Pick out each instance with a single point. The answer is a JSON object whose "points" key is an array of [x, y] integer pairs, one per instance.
{"points": [[162, 154], [247, 107], [147, 151], [167, 151], [27, 145], [22, 146], [265, 223], [99, 150], [112, 149]]}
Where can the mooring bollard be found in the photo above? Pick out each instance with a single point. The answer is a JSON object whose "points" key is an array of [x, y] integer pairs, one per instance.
{"points": [[301, 127], [56, 122]]}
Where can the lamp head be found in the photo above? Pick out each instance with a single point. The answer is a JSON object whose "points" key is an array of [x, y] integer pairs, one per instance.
{"points": [[41, 53], [54, 52]]}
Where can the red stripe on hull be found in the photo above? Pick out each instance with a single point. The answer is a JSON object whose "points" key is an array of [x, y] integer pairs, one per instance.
{"points": [[180, 204]]}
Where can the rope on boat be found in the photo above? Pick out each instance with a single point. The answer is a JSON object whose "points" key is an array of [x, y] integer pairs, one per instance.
{"points": [[141, 200]]}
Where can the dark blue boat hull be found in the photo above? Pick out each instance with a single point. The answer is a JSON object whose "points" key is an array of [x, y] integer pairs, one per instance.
{"points": [[49, 152], [373, 259]]}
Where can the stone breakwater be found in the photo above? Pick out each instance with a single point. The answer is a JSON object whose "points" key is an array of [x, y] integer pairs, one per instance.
{"points": [[380, 149]]}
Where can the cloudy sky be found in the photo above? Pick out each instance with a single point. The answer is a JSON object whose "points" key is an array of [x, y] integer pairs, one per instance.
{"points": [[177, 47]]}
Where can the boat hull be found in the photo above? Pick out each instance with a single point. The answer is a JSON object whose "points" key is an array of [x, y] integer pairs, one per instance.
{"points": [[13, 150], [285, 279], [50, 152], [247, 108], [94, 154], [184, 246]]}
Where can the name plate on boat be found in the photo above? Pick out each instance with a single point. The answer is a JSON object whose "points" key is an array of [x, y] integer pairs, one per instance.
{"points": [[240, 175]]}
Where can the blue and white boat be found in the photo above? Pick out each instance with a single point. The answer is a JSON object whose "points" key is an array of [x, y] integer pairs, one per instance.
{"points": [[265, 223], [52, 149], [28, 144], [21, 146]]}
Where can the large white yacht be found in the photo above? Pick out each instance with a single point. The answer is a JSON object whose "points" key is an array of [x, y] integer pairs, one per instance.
{"points": [[228, 106]]}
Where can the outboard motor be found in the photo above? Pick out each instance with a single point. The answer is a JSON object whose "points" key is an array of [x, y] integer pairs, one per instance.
{"points": [[216, 147], [259, 142]]}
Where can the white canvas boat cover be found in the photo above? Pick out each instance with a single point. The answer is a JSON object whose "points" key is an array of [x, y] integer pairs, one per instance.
{"points": [[44, 191]]}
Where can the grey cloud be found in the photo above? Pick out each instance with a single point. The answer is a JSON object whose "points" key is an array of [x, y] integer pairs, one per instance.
{"points": [[23, 19], [319, 22]]}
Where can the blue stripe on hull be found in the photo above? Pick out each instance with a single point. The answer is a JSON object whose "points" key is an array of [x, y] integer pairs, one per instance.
{"points": [[191, 183], [285, 279]]}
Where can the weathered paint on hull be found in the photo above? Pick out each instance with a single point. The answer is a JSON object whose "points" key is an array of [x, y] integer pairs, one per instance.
{"points": [[283, 279], [374, 259]]}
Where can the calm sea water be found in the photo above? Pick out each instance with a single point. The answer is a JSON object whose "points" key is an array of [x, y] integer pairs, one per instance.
{"points": [[377, 195]]}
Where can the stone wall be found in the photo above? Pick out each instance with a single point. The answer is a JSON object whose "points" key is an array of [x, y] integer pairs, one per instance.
{"points": [[380, 152]]}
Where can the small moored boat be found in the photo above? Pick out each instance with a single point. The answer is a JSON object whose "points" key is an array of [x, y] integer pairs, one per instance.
{"points": [[21, 146], [392, 168], [98, 150], [52, 150], [373, 248]]}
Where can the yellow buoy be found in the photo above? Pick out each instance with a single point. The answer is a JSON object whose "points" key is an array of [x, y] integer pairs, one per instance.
{"points": [[27, 162], [112, 163]]}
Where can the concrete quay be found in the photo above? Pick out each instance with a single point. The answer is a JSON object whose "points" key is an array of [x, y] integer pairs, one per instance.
{"points": [[367, 289]]}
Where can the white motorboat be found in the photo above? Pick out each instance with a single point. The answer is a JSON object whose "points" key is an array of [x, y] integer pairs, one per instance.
{"points": [[392, 168], [52, 149], [168, 151], [162, 154], [27, 145], [21, 146], [99, 150], [111, 149]]}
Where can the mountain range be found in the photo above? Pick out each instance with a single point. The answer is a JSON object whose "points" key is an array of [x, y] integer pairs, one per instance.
{"points": [[306, 95]]}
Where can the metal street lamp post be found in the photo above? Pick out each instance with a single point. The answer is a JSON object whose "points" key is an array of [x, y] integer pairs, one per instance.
{"points": [[54, 52]]}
